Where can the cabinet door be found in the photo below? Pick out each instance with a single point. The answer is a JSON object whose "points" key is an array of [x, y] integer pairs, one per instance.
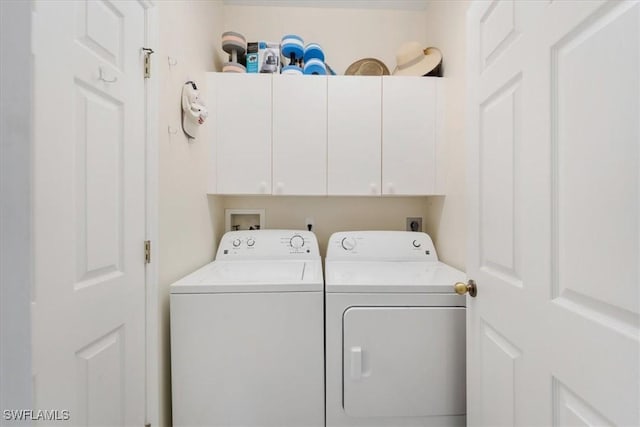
{"points": [[409, 135], [299, 135], [354, 135], [241, 134]]}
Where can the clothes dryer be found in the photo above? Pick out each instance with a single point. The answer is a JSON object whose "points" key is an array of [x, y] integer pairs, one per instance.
{"points": [[395, 332], [247, 341]]}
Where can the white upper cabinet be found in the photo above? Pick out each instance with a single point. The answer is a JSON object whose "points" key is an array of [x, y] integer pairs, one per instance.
{"points": [[240, 132], [410, 135], [299, 135], [316, 135], [354, 135]]}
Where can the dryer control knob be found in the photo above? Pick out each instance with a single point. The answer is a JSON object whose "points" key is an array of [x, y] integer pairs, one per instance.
{"points": [[416, 244], [296, 241], [250, 242], [348, 243], [236, 243]]}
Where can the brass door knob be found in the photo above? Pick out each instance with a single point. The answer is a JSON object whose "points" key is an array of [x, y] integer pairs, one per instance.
{"points": [[463, 288]]}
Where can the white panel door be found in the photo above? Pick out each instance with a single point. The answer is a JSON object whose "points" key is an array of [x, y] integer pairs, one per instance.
{"points": [[354, 135], [89, 211], [409, 135], [299, 135], [554, 213], [241, 133]]}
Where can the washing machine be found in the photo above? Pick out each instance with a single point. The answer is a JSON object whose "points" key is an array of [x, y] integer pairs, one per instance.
{"points": [[247, 334], [395, 332]]}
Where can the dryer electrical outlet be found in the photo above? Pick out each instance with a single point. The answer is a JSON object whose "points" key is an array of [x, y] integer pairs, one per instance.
{"points": [[414, 223]]}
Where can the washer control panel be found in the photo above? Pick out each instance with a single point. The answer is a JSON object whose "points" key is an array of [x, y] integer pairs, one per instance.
{"points": [[268, 244], [381, 245]]}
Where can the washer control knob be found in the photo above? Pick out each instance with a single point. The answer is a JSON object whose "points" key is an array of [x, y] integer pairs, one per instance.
{"points": [[296, 241], [348, 243], [236, 243], [416, 244], [250, 242]]}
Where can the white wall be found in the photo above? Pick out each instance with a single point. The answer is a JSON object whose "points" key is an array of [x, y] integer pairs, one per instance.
{"points": [[189, 34], [191, 223], [332, 214], [445, 28], [15, 208], [346, 35], [350, 34]]}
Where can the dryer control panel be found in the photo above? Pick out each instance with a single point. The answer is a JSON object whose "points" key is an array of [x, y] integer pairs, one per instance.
{"points": [[381, 245], [268, 244]]}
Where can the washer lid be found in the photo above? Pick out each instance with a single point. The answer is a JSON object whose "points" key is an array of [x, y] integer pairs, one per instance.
{"points": [[391, 277], [252, 276]]}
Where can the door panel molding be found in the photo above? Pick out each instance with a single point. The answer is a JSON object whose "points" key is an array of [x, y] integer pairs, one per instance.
{"points": [[497, 39], [569, 409], [498, 364]]}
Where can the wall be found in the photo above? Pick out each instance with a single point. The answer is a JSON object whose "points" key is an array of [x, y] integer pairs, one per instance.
{"points": [[191, 223], [350, 34], [15, 210], [445, 28], [346, 35], [189, 34], [332, 214]]}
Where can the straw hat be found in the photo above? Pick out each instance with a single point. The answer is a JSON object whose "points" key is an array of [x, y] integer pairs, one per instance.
{"points": [[414, 60], [367, 67]]}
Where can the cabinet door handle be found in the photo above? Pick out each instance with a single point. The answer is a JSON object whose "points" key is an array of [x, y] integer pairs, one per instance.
{"points": [[263, 187], [390, 188], [279, 187], [373, 187]]}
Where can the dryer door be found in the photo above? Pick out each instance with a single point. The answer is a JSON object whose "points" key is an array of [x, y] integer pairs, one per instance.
{"points": [[404, 361]]}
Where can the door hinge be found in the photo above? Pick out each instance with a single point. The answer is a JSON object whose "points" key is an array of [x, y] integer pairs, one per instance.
{"points": [[147, 61], [147, 251], [147, 425]]}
